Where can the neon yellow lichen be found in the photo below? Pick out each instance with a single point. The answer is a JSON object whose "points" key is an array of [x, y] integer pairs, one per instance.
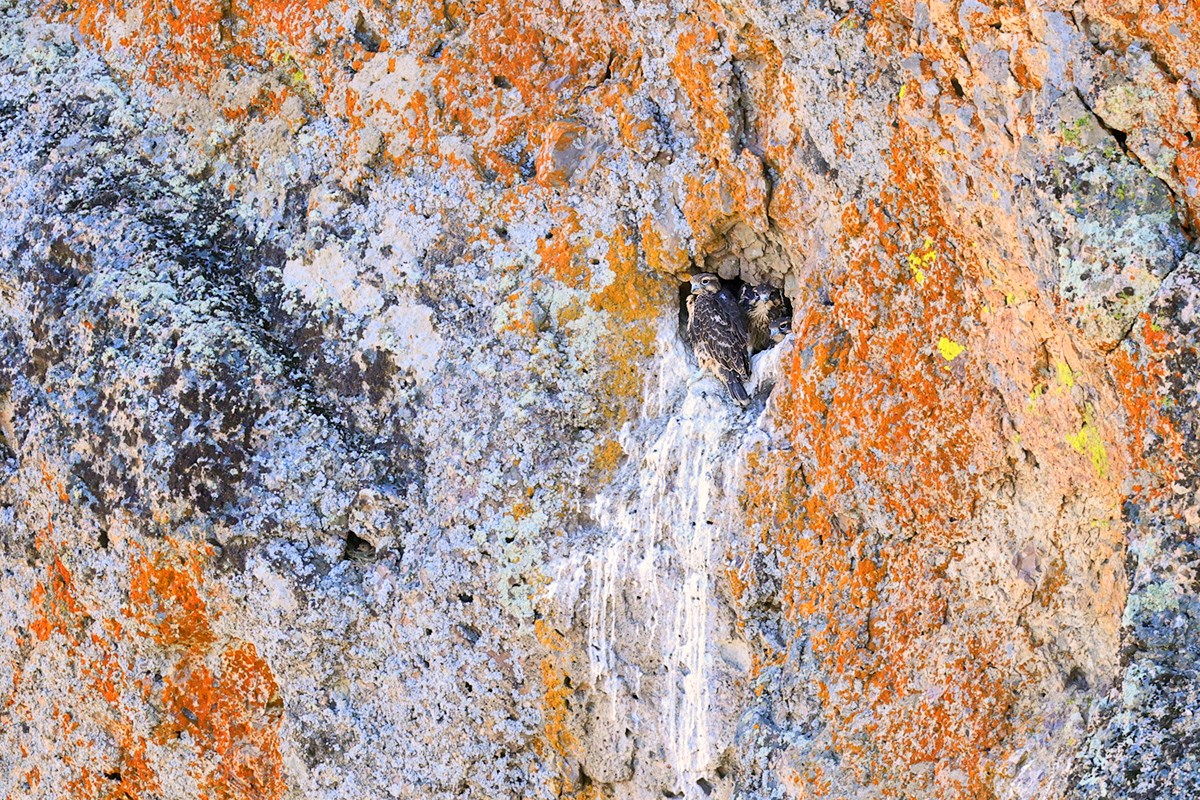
{"points": [[921, 260], [949, 349], [1036, 395], [1066, 376], [1088, 442]]}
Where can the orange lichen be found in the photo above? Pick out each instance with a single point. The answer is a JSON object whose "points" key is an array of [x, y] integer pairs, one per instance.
{"points": [[890, 429], [1187, 167], [187, 43], [53, 484], [131, 778], [891, 426], [544, 53], [519, 320], [617, 96], [494, 74], [232, 714], [631, 302], [558, 742], [1140, 373], [663, 254], [605, 457], [236, 706], [1172, 30], [883, 605], [550, 638], [164, 597], [736, 187], [561, 255], [61, 620], [557, 732], [57, 610]]}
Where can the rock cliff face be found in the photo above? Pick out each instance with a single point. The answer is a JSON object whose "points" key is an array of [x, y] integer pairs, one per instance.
{"points": [[351, 448]]}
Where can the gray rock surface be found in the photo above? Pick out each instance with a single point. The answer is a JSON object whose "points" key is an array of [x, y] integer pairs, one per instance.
{"points": [[350, 447]]}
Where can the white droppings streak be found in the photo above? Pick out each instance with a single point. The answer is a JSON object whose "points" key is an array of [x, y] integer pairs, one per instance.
{"points": [[659, 525]]}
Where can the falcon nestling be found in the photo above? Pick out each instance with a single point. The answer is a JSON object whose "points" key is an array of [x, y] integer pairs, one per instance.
{"points": [[717, 329], [765, 308], [781, 326]]}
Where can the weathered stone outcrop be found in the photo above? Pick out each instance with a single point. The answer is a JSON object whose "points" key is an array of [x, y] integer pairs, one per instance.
{"points": [[351, 447]]}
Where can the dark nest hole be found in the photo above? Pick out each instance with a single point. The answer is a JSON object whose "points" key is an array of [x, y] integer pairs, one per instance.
{"points": [[735, 287], [357, 549]]}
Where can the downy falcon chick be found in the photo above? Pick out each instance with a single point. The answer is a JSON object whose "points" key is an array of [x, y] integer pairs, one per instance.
{"points": [[717, 329], [765, 311]]}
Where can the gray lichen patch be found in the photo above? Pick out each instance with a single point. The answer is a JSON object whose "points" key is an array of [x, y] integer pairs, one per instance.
{"points": [[1115, 227]]}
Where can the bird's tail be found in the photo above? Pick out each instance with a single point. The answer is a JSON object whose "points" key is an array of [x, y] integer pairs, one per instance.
{"points": [[736, 390]]}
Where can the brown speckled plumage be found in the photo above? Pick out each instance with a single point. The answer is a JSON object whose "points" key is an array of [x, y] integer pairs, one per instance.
{"points": [[717, 330], [765, 309]]}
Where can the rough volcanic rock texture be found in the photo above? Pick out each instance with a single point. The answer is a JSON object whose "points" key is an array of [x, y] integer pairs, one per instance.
{"points": [[351, 447]]}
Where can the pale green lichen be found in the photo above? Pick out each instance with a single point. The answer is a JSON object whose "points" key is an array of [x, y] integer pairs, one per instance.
{"points": [[1154, 598]]}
